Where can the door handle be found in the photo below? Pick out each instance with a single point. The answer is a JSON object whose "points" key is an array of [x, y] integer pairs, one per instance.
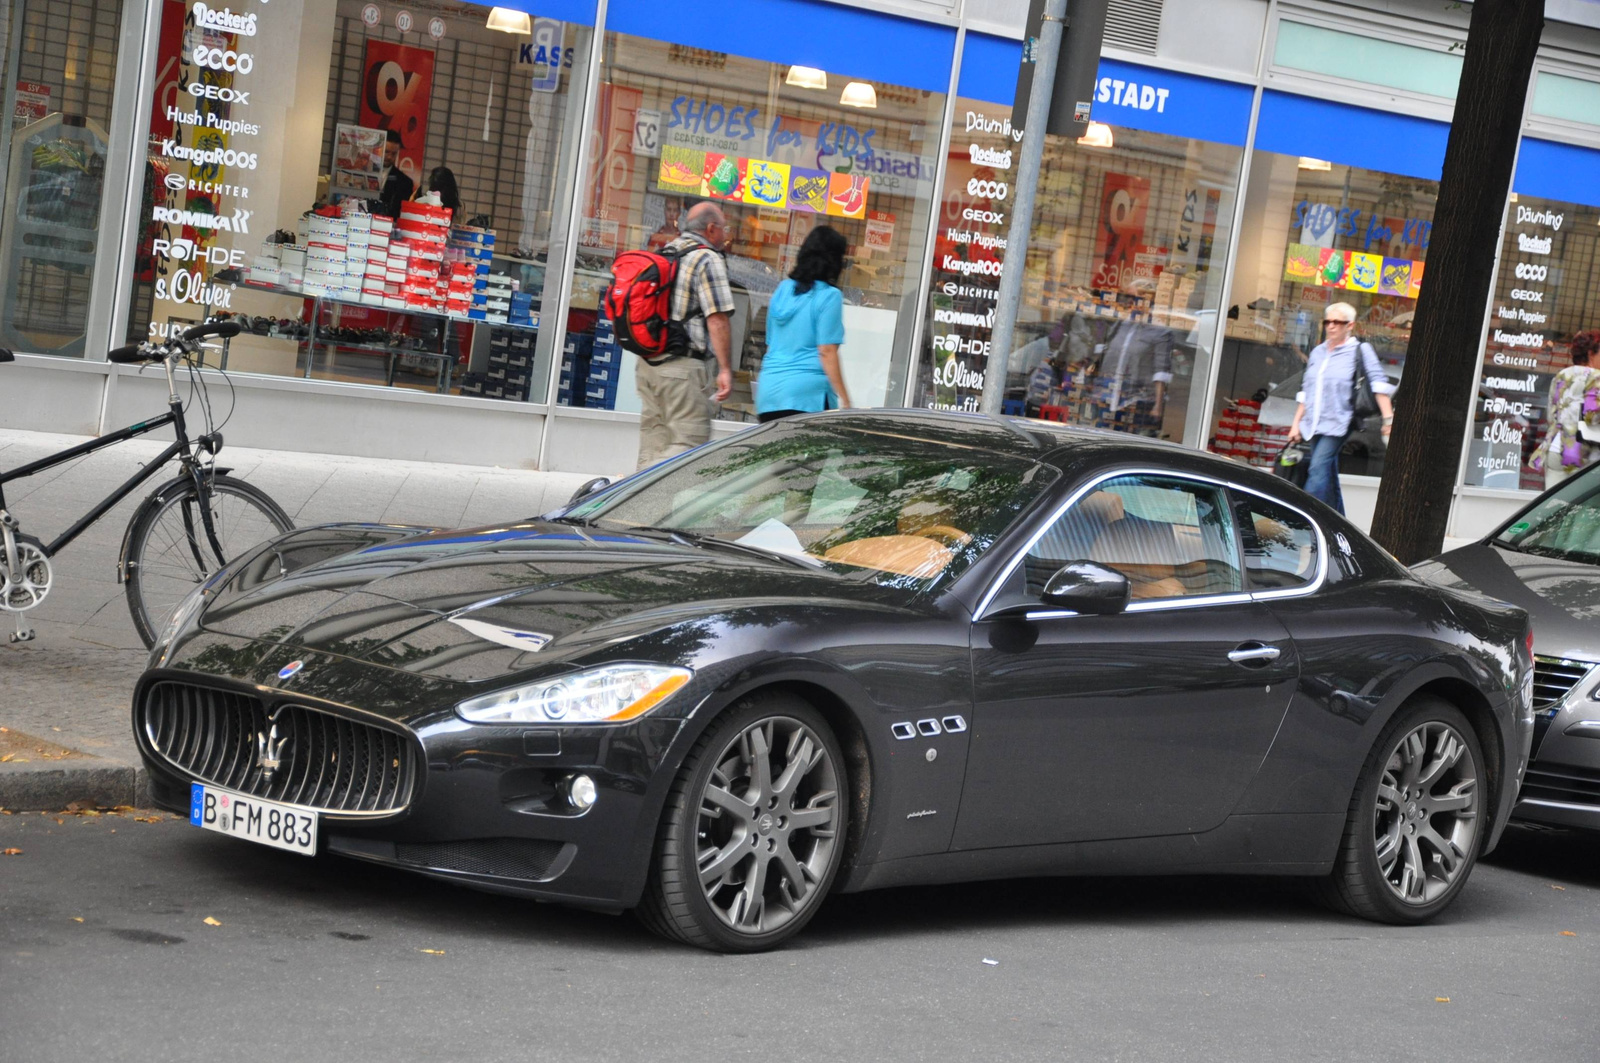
{"points": [[1251, 652]]}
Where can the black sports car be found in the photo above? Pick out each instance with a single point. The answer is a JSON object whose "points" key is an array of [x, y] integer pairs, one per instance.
{"points": [[848, 651], [1546, 558]]}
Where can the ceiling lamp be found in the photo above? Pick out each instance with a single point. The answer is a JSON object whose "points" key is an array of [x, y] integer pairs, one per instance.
{"points": [[859, 94], [807, 77], [1098, 135], [508, 21], [1308, 163]]}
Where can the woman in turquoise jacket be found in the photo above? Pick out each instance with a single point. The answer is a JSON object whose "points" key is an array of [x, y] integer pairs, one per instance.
{"points": [[805, 326]]}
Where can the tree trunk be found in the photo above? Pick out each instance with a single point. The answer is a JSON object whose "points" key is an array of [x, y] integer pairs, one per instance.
{"points": [[1433, 404]]}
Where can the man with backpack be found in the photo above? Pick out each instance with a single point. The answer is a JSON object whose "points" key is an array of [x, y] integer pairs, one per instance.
{"points": [[675, 413]]}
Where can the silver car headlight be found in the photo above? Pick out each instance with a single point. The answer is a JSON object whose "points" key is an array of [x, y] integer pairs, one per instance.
{"points": [[610, 693]]}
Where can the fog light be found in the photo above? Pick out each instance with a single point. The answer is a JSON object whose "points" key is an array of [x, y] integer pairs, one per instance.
{"points": [[581, 793]]}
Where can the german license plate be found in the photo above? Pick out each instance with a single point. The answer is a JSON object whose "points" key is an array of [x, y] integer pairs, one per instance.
{"points": [[253, 819]]}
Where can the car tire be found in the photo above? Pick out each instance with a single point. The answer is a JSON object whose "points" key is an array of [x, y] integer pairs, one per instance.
{"points": [[1416, 820], [745, 854]]}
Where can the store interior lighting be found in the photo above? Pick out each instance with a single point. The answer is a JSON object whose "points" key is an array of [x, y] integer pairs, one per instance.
{"points": [[807, 77], [1308, 163], [859, 94], [1098, 135], [508, 21]]}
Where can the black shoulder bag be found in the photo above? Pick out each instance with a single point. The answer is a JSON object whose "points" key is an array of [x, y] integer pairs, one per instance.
{"points": [[1362, 402]]}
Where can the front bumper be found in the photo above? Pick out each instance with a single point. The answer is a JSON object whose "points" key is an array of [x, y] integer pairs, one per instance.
{"points": [[1562, 784], [488, 806]]}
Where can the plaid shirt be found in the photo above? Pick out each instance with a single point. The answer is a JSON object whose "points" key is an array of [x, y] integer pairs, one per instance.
{"points": [[701, 288]]}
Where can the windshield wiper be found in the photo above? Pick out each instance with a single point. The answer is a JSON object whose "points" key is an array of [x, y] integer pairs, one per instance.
{"points": [[684, 538], [581, 522]]}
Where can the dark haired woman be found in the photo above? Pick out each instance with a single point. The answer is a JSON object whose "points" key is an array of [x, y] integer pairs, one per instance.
{"points": [[442, 180], [805, 326]]}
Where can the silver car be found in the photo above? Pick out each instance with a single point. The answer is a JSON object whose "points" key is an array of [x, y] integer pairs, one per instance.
{"points": [[1546, 559]]}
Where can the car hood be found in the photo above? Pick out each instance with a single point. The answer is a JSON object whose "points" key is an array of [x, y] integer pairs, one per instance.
{"points": [[1563, 597], [476, 605]]}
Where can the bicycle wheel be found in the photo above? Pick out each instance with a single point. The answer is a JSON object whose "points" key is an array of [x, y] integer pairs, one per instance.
{"points": [[169, 553]]}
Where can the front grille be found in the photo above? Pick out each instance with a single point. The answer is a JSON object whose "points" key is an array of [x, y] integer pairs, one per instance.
{"points": [[325, 761], [1554, 678], [1563, 783], [499, 857]]}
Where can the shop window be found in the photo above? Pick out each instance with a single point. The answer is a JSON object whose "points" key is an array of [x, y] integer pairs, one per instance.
{"points": [[1547, 295], [375, 192], [1123, 280], [1315, 232], [60, 66], [780, 149], [1368, 60]]}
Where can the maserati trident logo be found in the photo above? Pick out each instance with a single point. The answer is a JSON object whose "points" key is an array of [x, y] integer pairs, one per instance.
{"points": [[269, 751]]}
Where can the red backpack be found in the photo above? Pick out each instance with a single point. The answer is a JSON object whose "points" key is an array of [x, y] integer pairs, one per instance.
{"points": [[639, 303]]}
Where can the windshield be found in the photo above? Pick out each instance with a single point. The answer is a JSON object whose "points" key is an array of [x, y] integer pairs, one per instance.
{"points": [[1566, 524], [894, 508]]}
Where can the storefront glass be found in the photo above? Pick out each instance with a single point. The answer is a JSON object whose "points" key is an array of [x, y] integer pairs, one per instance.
{"points": [[60, 60], [292, 149], [1124, 272], [1315, 232], [781, 148]]}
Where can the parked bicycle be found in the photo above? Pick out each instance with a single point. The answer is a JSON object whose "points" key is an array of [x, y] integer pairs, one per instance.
{"points": [[180, 536]]}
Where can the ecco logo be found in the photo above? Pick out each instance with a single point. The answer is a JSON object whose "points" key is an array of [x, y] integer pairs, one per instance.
{"points": [[224, 59], [987, 189], [973, 214], [929, 728], [218, 92]]}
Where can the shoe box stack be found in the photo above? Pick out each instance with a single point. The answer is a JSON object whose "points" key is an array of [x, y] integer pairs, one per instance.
{"points": [[497, 298], [426, 231], [1241, 435], [367, 258], [467, 260], [573, 386], [326, 253], [521, 310], [605, 366], [509, 374]]}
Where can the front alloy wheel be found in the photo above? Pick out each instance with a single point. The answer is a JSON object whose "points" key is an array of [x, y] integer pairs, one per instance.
{"points": [[754, 830], [1415, 821]]}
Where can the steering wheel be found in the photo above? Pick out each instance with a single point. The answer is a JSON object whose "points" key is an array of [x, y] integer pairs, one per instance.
{"points": [[951, 537]]}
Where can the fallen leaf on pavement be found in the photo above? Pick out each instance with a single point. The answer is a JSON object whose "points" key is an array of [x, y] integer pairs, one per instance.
{"points": [[1553, 886], [1569, 933], [208, 921], [1441, 1000], [79, 806], [7, 757], [77, 919], [432, 952], [56, 729], [11, 852], [147, 819]]}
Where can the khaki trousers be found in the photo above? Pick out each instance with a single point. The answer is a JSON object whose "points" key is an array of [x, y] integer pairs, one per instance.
{"points": [[674, 408]]}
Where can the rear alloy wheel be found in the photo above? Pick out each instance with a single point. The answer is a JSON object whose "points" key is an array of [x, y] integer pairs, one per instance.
{"points": [[753, 832], [1416, 819]]}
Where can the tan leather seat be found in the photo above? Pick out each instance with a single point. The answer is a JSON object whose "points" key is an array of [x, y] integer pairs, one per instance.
{"points": [[905, 555]]}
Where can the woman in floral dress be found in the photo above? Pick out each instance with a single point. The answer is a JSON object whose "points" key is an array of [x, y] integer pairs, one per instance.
{"points": [[1574, 411]]}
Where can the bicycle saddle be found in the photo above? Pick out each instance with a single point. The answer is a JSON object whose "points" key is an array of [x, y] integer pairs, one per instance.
{"points": [[6, 356]]}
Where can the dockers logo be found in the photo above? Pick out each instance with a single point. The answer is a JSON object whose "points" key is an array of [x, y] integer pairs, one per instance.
{"points": [[981, 156], [238, 222], [982, 189], [225, 20], [244, 160]]}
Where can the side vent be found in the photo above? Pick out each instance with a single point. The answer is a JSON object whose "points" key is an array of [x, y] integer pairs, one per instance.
{"points": [[1134, 25]]}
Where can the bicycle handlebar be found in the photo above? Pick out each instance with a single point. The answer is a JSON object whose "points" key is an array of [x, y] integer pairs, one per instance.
{"points": [[141, 352], [225, 329], [133, 352]]}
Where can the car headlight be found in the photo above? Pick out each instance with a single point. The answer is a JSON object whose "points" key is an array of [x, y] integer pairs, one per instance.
{"points": [[610, 693], [182, 617]]}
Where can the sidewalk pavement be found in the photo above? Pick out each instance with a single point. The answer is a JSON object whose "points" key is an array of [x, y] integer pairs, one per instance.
{"points": [[64, 698]]}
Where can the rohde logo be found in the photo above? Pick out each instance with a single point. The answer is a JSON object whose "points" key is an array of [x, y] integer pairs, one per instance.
{"points": [[981, 156], [218, 92], [239, 222], [244, 160], [224, 59], [184, 250], [212, 19], [973, 214], [987, 267], [997, 190]]}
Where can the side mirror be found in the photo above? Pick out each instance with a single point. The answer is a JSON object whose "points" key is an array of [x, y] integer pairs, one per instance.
{"points": [[589, 487], [1088, 587]]}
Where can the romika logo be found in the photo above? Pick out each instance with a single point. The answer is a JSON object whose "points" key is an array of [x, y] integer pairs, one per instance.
{"points": [[225, 20], [238, 222], [961, 317], [1511, 383], [981, 156]]}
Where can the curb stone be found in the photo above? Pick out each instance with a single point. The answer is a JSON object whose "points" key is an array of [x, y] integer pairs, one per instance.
{"points": [[51, 786]]}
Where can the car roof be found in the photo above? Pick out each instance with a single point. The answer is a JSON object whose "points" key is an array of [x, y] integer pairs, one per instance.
{"points": [[1021, 437]]}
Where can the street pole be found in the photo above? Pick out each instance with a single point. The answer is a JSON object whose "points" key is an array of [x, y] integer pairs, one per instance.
{"points": [[1009, 299]]}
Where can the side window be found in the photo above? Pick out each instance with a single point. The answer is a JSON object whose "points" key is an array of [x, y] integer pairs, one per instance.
{"points": [[1280, 546], [1171, 537]]}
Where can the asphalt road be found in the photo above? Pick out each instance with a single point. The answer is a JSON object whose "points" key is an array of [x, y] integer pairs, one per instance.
{"points": [[325, 959]]}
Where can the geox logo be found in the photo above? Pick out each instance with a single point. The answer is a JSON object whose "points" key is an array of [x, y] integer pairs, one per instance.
{"points": [[239, 222]]}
